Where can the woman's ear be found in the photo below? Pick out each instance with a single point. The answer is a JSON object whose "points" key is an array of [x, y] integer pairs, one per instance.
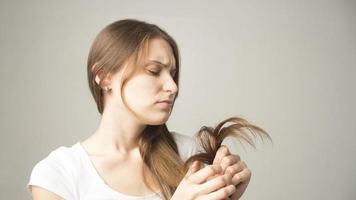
{"points": [[99, 80], [103, 82]]}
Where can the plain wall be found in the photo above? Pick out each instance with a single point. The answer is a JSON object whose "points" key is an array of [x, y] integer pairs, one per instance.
{"points": [[287, 66]]}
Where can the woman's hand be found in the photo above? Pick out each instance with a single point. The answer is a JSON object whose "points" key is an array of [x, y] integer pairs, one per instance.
{"points": [[232, 164], [196, 186]]}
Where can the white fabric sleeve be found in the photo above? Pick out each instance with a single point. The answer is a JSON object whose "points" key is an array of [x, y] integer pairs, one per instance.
{"points": [[52, 174]]}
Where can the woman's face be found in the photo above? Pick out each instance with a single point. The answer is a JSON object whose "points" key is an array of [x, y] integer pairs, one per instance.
{"points": [[153, 82]]}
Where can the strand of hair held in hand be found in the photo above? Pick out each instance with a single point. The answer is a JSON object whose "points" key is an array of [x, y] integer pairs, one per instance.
{"points": [[210, 139]]}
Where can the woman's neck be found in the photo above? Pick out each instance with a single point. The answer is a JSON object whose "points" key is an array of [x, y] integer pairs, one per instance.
{"points": [[117, 132]]}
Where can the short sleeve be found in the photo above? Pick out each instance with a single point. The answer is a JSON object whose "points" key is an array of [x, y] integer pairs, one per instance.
{"points": [[53, 174]]}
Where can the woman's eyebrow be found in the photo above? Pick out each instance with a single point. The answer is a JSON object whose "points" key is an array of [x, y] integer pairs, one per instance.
{"points": [[159, 63]]}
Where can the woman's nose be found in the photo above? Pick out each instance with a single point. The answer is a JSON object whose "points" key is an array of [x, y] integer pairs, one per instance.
{"points": [[170, 85]]}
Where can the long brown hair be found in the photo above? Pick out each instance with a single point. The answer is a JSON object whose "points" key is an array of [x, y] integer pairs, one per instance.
{"points": [[126, 41]]}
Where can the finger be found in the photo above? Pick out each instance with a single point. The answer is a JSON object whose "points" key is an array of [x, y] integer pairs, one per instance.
{"points": [[228, 161], [193, 168], [234, 169], [240, 189], [215, 184], [221, 152], [241, 181], [204, 173], [222, 193], [213, 176], [242, 177]]}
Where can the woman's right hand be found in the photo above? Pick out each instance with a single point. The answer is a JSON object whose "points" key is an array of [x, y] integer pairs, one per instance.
{"points": [[198, 184]]}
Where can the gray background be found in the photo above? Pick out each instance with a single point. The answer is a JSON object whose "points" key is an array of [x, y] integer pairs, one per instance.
{"points": [[287, 66]]}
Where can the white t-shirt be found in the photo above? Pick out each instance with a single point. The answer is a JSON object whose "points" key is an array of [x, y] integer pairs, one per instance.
{"points": [[69, 173]]}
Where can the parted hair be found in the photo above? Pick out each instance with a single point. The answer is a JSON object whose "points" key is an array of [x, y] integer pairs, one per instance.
{"points": [[126, 41]]}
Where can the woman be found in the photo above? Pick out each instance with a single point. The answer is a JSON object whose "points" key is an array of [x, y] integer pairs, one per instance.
{"points": [[133, 71]]}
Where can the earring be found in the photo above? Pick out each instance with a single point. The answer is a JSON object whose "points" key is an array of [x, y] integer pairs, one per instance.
{"points": [[106, 89]]}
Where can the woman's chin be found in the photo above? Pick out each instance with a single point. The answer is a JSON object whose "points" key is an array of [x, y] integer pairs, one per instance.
{"points": [[160, 120]]}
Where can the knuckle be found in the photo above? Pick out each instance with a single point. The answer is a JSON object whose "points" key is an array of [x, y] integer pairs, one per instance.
{"points": [[226, 161], [221, 181], [210, 171], [229, 170], [224, 149], [238, 156], [237, 177]]}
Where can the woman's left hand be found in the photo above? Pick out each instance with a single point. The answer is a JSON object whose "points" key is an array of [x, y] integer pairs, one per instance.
{"points": [[232, 164]]}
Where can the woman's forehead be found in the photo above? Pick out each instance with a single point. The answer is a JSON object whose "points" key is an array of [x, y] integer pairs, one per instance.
{"points": [[160, 63], [159, 52]]}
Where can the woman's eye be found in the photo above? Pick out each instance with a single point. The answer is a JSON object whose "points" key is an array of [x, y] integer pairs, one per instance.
{"points": [[154, 72]]}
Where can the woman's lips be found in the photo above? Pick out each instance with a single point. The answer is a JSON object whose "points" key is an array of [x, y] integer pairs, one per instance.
{"points": [[165, 104]]}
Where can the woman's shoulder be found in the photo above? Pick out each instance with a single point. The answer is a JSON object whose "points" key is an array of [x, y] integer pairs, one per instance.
{"points": [[187, 145], [63, 155], [57, 171]]}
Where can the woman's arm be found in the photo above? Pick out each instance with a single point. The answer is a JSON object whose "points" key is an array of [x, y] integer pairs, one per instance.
{"points": [[38, 193]]}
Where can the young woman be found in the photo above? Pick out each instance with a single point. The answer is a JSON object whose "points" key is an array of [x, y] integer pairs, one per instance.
{"points": [[133, 72]]}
